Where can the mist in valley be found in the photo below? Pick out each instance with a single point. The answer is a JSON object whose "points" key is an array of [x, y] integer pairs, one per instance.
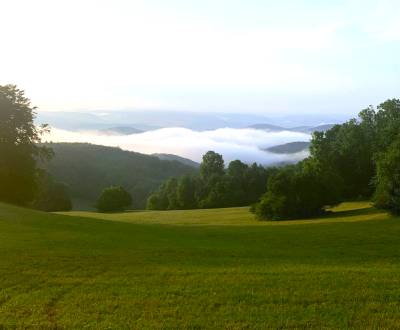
{"points": [[247, 144]]}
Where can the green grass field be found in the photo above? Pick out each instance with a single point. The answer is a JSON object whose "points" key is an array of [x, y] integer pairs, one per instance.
{"points": [[207, 269]]}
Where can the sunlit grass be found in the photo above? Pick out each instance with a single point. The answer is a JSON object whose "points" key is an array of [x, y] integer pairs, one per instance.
{"points": [[354, 211]]}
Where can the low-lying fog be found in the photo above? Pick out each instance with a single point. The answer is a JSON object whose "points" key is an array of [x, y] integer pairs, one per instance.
{"points": [[244, 144]]}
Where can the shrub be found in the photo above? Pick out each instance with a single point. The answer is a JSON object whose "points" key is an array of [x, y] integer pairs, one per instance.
{"points": [[114, 199]]}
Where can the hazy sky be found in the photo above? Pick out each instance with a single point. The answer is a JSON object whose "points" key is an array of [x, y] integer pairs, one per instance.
{"points": [[209, 55]]}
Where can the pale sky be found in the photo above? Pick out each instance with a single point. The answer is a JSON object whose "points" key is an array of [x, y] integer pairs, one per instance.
{"points": [[260, 56]]}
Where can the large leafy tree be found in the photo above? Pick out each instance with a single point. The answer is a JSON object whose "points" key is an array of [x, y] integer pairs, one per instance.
{"points": [[350, 149], [297, 191], [19, 150], [186, 192], [51, 196], [347, 150], [212, 165]]}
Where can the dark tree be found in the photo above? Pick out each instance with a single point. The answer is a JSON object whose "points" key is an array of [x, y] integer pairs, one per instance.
{"points": [[153, 202], [19, 150], [51, 196], [350, 149], [297, 191], [347, 150], [212, 165], [186, 192], [237, 183], [114, 199], [172, 193], [217, 193], [387, 194]]}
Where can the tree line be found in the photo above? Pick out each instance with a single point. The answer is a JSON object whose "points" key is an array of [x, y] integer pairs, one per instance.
{"points": [[237, 185], [359, 159]]}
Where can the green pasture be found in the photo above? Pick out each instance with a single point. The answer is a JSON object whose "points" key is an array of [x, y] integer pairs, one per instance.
{"points": [[203, 269]]}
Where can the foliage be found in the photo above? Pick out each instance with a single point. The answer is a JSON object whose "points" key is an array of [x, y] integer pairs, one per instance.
{"points": [[238, 185], [343, 164], [51, 196], [186, 192], [113, 199], [88, 169], [19, 149], [387, 195], [212, 165], [297, 191], [347, 150], [350, 149]]}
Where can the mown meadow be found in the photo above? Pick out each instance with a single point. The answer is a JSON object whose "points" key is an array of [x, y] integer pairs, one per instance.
{"points": [[203, 269]]}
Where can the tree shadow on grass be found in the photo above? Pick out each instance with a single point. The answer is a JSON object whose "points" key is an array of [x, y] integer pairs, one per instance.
{"points": [[352, 213]]}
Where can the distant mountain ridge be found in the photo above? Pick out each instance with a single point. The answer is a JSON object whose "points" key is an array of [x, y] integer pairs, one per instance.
{"points": [[302, 129], [289, 148], [311, 129], [268, 127], [121, 130], [146, 120], [171, 157]]}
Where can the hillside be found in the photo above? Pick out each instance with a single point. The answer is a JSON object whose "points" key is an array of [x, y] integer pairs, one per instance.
{"points": [[70, 272], [182, 160], [289, 148], [87, 169], [268, 127], [121, 130]]}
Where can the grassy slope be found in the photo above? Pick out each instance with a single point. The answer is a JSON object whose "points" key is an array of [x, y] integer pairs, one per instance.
{"points": [[75, 272]]}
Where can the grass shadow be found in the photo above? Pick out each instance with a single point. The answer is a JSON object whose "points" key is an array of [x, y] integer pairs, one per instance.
{"points": [[355, 212]]}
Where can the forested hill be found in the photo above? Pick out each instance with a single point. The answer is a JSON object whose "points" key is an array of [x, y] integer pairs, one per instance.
{"points": [[289, 148], [87, 169], [180, 159]]}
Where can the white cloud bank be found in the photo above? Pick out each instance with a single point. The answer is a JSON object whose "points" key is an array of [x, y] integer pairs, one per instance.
{"points": [[243, 144]]}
